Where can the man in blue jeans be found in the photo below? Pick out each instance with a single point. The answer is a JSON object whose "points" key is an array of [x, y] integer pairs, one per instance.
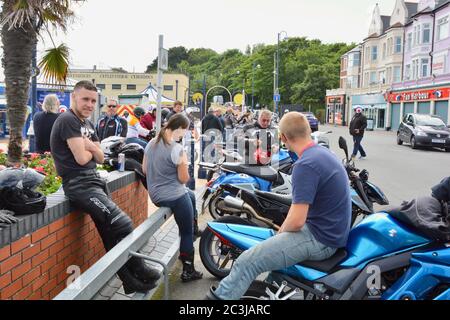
{"points": [[318, 222], [358, 125]]}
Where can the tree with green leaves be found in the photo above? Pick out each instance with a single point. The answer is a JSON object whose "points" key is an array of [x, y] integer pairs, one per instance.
{"points": [[22, 22]]}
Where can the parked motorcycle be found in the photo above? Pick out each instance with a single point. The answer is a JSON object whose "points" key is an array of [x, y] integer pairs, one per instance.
{"points": [[269, 210], [384, 259], [276, 178]]}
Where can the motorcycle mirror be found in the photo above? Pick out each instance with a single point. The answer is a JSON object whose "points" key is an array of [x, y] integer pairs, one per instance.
{"points": [[343, 146]]}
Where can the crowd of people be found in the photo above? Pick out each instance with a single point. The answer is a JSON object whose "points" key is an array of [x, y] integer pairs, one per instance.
{"points": [[74, 142]]}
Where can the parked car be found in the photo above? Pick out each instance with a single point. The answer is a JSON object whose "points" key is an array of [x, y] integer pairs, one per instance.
{"points": [[313, 121], [424, 131]]}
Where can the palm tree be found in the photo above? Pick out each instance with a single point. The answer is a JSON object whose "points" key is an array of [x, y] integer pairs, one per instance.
{"points": [[22, 21]]}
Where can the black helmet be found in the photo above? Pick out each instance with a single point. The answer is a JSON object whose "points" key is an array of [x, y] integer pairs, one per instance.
{"points": [[132, 151], [22, 201], [139, 112], [164, 113]]}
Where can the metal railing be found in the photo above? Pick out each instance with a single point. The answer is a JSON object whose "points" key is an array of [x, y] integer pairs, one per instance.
{"points": [[97, 276]]}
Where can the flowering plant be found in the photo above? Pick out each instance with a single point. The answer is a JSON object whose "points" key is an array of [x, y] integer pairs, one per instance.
{"points": [[46, 165]]}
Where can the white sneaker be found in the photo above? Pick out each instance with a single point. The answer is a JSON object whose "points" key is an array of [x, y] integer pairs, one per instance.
{"points": [[363, 158]]}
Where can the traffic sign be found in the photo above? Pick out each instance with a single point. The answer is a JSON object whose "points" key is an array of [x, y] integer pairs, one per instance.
{"points": [[277, 98]]}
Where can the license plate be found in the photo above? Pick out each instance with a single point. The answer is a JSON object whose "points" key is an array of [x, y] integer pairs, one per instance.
{"points": [[438, 141]]}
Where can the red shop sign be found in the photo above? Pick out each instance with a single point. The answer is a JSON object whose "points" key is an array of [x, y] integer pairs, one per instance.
{"points": [[421, 95]]}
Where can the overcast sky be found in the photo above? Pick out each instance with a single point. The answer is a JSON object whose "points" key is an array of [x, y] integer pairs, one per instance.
{"points": [[115, 33]]}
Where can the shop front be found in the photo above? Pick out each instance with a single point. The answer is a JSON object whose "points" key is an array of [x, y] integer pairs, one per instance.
{"points": [[336, 110], [375, 109], [434, 101]]}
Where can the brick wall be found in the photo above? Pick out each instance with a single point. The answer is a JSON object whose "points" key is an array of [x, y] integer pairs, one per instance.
{"points": [[35, 266]]}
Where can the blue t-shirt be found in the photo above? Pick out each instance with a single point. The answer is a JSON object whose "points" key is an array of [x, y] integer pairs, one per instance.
{"points": [[320, 181]]}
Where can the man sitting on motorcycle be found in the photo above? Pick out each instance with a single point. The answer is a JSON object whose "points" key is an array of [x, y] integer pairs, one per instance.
{"points": [[319, 219]]}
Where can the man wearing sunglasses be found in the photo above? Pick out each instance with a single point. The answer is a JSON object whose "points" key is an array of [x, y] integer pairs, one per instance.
{"points": [[111, 124]]}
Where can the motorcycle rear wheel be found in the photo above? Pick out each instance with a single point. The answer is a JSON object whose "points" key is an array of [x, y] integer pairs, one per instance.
{"points": [[213, 252]]}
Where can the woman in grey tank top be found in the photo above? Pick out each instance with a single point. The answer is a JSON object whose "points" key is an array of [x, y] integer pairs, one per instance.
{"points": [[166, 167]]}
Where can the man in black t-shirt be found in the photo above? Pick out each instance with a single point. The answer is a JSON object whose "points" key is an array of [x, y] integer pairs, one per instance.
{"points": [[76, 151]]}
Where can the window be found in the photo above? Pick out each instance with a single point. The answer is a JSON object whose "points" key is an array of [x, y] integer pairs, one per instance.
{"points": [[397, 74], [354, 82], [398, 45], [388, 75], [373, 78], [382, 77], [425, 68], [426, 33], [415, 69], [356, 59], [408, 72], [353, 60], [131, 87], [416, 35], [374, 53], [117, 87], [168, 88], [409, 42], [442, 28], [389, 49], [101, 86], [384, 50]]}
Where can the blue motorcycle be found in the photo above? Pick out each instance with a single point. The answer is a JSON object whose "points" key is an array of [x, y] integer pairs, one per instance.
{"points": [[384, 259]]}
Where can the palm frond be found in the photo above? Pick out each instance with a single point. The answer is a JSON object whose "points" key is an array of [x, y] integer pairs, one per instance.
{"points": [[55, 65], [56, 12]]}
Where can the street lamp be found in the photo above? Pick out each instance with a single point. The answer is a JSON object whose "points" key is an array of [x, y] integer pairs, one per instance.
{"points": [[253, 83], [277, 66]]}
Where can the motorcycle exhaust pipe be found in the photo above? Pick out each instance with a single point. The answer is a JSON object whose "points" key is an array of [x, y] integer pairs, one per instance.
{"points": [[234, 203]]}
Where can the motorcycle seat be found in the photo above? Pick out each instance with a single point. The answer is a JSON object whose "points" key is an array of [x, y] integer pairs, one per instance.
{"points": [[280, 198], [327, 265], [264, 172]]}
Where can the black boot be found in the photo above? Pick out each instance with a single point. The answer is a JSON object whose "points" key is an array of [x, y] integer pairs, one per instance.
{"points": [[142, 271], [189, 272], [132, 284]]}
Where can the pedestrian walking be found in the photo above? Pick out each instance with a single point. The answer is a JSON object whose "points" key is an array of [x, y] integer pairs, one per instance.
{"points": [[358, 126]]}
